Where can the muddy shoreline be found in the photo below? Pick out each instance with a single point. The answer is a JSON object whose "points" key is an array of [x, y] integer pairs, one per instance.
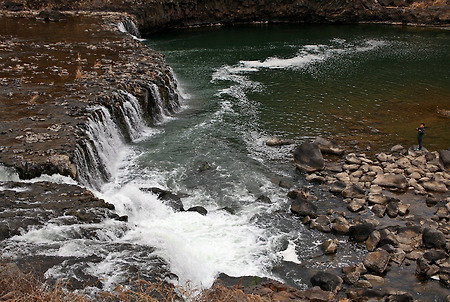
{"points": [[48, 86]]}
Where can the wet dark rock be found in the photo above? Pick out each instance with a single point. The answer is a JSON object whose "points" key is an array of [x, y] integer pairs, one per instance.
{"points": [[308, 158], [229, 210], [317, 294], [361, 232], [434, 255], [392, 208], [303, 207], [388, 237], [264, 199], [433, 238], [13, 6], [377, 261], [199, 209], [327, 281], [169, 198]]}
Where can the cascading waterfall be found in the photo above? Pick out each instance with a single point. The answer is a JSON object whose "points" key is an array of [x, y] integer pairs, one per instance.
{"points": [[128, 26]]}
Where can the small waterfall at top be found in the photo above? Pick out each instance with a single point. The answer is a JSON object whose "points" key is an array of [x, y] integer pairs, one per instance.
{"points": [[128, 26]]}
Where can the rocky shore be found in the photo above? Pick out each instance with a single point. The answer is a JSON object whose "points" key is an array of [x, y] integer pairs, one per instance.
{"points": [[397, 207]]}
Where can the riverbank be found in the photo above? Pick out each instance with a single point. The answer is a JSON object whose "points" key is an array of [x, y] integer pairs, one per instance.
{"points": [[154, 16]]}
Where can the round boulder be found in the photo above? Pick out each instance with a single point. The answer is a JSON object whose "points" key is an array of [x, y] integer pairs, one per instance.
{"points": [[308, 158]]}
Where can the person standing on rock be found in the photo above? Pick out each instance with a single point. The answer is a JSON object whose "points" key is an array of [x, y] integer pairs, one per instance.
{"points": [[420, 134]]}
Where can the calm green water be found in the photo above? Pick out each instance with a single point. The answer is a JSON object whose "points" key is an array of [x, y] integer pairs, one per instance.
{"points": [[359, 84]]}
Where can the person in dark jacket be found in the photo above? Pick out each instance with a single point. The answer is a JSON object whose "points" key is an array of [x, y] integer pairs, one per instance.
{"points": [[420, 134]]}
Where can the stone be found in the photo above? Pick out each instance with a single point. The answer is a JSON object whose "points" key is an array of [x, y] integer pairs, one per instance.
{"points": [[340, 225], [382, 157], [351, 278], [317, 294], [330, 246], [170, 199], [323, 224], [327, 281], [308, 158], [373, 279], [392, 209], [352, 167], [373, 240], [444, 158], [356, 204], [303, 207], [435, 186], [398, 256], [388, 237], [315, 178], [337, 187], [276, 141], [391, 181], [199, 209], [442, 213], [361, 232], [403, 209], [328, 147], [352, 159], [353, 191], [360, 268], [379, 210], [433, 238], [400, 297], [397, 148], [377, 261], [434, 255]]}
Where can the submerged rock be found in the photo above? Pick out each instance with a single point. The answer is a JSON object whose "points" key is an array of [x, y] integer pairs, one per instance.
{"points": [[327, 281], [303, 207]]}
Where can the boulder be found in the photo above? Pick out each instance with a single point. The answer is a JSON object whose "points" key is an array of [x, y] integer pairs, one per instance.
{"points": [[435, 186], [377, 261], [303, 207], [361, 232], [199, 209], [276, 141], [328, 147], [391, 181], [392, 208], [308, 158], [433, 238], [340, 225], [327, 281], [397, 148], [353, 191], [444, 158], [318, 295], [170, 199]]}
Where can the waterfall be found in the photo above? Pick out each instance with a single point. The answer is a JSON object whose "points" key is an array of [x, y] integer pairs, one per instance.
{"points": [[128, 26], [125, 119], [96, 156]]}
